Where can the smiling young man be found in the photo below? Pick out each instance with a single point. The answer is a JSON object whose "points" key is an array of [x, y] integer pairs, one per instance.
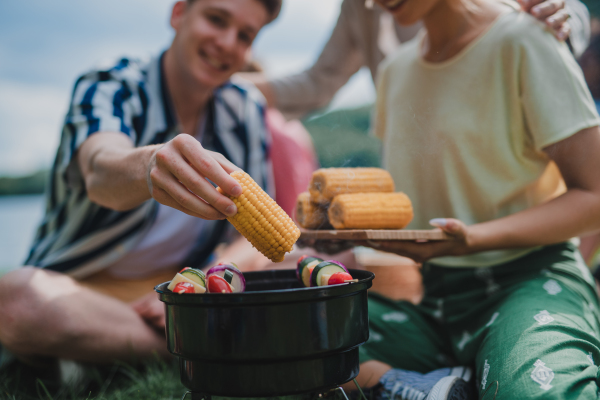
{"points": [[129, 201]]}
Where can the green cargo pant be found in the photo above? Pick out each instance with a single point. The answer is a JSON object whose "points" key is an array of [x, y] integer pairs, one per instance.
{"points": [[529, 328]]}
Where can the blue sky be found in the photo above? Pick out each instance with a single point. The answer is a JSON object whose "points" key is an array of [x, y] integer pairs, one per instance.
{"points": [[45, 45]]}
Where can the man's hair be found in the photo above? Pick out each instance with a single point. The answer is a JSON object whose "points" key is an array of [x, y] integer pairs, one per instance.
{"points": [[273, 7]]}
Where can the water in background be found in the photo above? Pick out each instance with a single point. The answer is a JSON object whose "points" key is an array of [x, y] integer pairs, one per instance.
{"points": [[19, 216]]}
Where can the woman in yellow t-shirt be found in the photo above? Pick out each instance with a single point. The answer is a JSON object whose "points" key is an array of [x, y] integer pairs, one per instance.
{"points": [[476, 114]]}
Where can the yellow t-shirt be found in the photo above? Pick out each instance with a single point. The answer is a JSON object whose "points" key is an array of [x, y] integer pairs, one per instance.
{"points": [[465, 138]]}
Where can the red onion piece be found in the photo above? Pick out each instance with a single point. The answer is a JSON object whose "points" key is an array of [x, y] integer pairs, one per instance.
{"points": [[238, 282]]}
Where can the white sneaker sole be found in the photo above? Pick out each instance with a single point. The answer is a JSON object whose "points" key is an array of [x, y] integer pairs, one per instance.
{"points": [[441, 389]]}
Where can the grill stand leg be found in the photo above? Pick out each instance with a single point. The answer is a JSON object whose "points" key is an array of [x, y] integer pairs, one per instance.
{"points": [[196, 396]]}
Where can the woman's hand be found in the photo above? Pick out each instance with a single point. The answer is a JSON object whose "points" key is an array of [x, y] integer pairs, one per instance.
{"points": [[552, 13], [421, 251], [178, 174]]}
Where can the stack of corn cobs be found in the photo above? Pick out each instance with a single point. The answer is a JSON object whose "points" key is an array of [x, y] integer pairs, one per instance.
{"points": [[353, 198]]}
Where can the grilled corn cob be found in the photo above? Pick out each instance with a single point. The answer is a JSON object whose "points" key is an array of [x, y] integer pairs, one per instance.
{"points": [[329, 182], [261, 220], [311, 215], [370, 211]]}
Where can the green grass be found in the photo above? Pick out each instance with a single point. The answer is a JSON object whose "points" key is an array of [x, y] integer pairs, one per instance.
{"points": [[157, 380], [342, 138]]}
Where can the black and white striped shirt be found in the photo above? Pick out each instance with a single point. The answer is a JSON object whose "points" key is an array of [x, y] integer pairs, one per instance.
{"points": [[79, 237]]}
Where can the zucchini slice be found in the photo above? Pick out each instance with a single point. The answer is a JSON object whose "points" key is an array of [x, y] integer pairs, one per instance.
{"points": [[302, 263], [324, 268], [195, 275], [180, 278]]}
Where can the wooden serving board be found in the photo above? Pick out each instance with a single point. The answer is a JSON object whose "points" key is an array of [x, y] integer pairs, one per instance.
{"points": [[374, 234]]}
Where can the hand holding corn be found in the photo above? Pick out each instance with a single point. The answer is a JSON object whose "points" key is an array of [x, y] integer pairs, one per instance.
{"points": [[260, 220]]}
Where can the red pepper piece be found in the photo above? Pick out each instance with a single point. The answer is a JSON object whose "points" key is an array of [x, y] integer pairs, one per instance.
{"points": [[184, 287], [339, 277], [216, 284]]}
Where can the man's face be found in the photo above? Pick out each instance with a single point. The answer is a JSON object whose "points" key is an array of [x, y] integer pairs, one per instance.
{"points": [[213, 36]]}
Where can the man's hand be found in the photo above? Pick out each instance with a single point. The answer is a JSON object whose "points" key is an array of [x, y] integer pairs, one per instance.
{"points": [[178, 175], [120, 176], [552, 13], [151, 310]]}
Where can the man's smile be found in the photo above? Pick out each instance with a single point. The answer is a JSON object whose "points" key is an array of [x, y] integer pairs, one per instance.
{"points": [[213, 61]]}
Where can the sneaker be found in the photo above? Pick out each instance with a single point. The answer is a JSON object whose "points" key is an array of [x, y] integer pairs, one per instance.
{"points": [[441, 384]]}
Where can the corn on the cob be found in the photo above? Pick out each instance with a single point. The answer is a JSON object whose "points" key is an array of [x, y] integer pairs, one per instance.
{"points": [[370, 211], [326, 183], [261, 220], [311, 215]]}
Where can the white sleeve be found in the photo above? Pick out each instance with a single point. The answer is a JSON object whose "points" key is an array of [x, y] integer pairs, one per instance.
{"points": [[580, 26], [313, 88]]}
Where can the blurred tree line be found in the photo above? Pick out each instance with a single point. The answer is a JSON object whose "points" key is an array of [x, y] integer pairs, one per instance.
{"points": [[29, 184], [342, 138]]}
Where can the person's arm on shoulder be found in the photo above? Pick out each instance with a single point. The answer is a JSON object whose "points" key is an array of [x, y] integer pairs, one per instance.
{"points": [[569, 19], [313, 88]]}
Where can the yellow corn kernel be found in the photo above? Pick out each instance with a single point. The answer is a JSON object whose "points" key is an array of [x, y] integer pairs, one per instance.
{"points": [[270, 230], [311, 215], [326, 183], [370, 211]]}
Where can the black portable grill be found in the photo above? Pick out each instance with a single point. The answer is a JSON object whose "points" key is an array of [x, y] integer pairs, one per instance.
{"points": [[277, 338]]}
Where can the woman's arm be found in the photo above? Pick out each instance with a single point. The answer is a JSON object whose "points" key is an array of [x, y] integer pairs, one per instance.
{"points": [[313, 88], [574, 213], [120, 176]]}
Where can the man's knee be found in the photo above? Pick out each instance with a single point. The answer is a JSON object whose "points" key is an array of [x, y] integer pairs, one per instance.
{"points": [[24, 296]]}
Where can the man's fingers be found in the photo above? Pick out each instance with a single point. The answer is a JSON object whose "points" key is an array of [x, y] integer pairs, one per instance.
{"points": [[547, 8], [178, 197], [227, 165], [564, 32], [527, 4], [204, 162], [557, 20], [198, 185]]}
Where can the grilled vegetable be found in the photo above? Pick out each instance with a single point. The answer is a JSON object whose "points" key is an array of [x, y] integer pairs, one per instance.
{"points": [[304, 268], [194, 275], [338, 278], [311, 215], [231, 274], [216, 284], [180, 278], [370, 211], [323, 271], [262, 221], [184, 287], [326, 183]]}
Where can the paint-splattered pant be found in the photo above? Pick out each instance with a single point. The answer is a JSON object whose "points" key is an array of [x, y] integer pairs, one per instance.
{"points": [[529, 328]]}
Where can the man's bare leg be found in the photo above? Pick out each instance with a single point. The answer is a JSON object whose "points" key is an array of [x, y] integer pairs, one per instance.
{"points": [[48, 314]]}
